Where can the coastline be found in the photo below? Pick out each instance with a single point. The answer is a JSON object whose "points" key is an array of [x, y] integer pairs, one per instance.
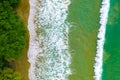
{"points": [[22, 65], [33, 43]]}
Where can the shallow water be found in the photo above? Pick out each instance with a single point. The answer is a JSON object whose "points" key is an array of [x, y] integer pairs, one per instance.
{"points": [[84, 18], [63, 39]]}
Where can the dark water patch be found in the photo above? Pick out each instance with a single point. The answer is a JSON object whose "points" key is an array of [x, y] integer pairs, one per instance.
{"points": [[111, 64]]}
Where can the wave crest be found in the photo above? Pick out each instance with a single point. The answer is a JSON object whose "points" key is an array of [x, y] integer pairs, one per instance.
{"points": [[101, 38]]}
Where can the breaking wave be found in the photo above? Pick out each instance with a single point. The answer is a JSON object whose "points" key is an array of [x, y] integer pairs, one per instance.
{"points": [[101, 38], [48, 54]]}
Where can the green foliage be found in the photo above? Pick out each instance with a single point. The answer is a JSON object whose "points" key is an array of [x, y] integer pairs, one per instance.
{"points": [[9, 74], [12, 38], [12, 32], [13, 3]]}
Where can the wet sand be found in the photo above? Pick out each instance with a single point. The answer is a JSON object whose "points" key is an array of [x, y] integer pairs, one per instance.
{"points": [[22, 65]]}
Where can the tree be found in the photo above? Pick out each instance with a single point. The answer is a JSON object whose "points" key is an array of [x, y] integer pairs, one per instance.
{"points": [[12, 32], [12, 38], [9, 74]]}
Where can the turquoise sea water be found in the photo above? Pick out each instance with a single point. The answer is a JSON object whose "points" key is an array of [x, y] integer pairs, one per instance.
{"points": [[111, 55]]}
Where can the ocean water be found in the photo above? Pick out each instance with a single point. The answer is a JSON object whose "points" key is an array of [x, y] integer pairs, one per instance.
{"points": [[73, 39], [111, 54], [104, 10], [63, 37], [84, 19]]}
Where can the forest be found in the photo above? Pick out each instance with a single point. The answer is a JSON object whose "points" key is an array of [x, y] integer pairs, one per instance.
{"points": [[13, 35]]}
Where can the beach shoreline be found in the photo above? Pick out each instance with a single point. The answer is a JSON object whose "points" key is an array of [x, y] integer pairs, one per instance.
{"points": [[26, 64], [33, 43], [22, 65]]}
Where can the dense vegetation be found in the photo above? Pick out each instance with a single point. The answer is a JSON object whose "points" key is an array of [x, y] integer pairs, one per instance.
{"points": [[12, 38]]}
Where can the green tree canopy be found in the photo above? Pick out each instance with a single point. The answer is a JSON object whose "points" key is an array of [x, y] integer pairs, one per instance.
{"points": [[9, 74], [12, 31], [12, 38]]}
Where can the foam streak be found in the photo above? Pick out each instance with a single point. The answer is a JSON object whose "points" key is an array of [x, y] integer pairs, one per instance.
{"points": [[101, 38], [33, 43]]}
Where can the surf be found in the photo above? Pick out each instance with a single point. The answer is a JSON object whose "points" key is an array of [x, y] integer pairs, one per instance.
{"points": [[48, 53], [101, 38]]}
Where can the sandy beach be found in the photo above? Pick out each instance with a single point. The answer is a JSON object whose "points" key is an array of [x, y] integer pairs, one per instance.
{"points": [[22, 65]]}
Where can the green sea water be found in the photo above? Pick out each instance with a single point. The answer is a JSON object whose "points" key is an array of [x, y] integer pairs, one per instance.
{"points": [[84, 18], [111, 55]]}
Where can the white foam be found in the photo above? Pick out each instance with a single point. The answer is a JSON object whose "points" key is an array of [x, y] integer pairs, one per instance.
{"points": [[33, 44], [101, 38], [48, 52]]}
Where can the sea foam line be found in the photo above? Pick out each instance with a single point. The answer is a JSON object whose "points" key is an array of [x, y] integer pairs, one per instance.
{"points": [[101, 38], [33, 43], [48, 52], [54, 59]]}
